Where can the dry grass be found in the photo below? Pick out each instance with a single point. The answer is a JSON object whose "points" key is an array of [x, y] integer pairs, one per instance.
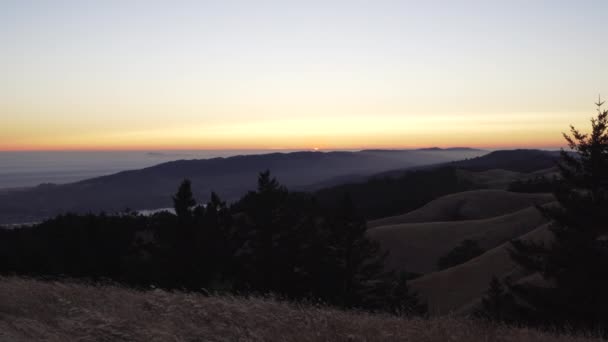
{"points": [[40, 311], [468, 205]]}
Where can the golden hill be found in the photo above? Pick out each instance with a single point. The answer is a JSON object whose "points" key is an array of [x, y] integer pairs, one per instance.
{"points": [[468, 205], [416, 247], [456, 288]]}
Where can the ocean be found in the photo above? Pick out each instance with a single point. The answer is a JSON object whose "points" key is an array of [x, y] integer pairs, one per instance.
{"points": [[30, 168]]}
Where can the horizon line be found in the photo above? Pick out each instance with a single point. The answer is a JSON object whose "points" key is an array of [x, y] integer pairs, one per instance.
{"points": [[279, 149]]}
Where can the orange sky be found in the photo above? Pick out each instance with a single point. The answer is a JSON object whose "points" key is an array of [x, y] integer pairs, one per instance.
{"points": [[272, 75]]}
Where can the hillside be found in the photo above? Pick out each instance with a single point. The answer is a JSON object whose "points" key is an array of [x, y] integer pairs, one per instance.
{"points": [[416, 247], [381, 197], [231, 177], [397, 191], [456, 288], [34, 311], [468, 205], [418, 239]]}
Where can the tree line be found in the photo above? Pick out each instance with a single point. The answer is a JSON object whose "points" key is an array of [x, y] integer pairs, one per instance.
{"points": [[271, 241]]}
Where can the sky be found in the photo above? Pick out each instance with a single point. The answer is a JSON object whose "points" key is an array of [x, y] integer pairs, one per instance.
{"points": [[130, 75]]}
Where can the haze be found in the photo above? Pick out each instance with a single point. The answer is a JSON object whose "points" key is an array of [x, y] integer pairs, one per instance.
{"points": [[297, 75]]}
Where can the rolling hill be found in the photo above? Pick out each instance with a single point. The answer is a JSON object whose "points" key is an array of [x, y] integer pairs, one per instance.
{"points": [[457, 288], [417, 239], [397, 191], [416, 247], [468, 205]]}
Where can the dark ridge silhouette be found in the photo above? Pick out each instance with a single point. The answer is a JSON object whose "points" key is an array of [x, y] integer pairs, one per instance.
{"points": [[398, 191], [511, 160], [229, 177], [382, 196]]}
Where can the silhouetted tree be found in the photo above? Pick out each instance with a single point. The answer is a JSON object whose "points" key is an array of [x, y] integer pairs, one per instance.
{"points": [[357, 260], [183, 266], [215, 243], [575, 263], [538, 184], [265, 224], [183, 201], [270, 241], [402, 301]]}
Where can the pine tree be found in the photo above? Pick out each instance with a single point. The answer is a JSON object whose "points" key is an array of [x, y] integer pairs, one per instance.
{"points": [[575, 264], [183, 201], [402, 301], [183, 262], [263, 224], [357, 260], [215, 244]]}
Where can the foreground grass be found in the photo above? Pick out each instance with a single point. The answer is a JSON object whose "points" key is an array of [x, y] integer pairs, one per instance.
{"points": [[51, 311]]}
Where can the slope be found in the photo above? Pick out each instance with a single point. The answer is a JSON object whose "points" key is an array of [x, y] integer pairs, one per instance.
{"points": [[469, 205], [416, 247], [456, 288]]}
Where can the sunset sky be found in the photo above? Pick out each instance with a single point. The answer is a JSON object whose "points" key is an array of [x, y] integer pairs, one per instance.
{"points": [[298, 74]]}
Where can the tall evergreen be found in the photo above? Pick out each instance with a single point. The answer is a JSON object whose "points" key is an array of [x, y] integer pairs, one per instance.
{"points": [[402, 301], [183, 262], [214, 242], [183, 200], [264, 225], [574, 264], [357, 261]]}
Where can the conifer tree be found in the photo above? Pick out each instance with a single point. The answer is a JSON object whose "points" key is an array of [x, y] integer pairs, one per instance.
{"points": [[263, 227], [184, 267], [357, 260], [183, 201], [402, 301], [575, 264], [215, 241]]}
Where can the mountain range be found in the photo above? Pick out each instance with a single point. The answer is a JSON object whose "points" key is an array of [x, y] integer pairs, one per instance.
{"points": [[231, 177]]}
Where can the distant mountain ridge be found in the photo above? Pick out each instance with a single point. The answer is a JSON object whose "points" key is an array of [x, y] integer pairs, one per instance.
{"points": [[511, 160], [392, 192], [230, 177]]}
